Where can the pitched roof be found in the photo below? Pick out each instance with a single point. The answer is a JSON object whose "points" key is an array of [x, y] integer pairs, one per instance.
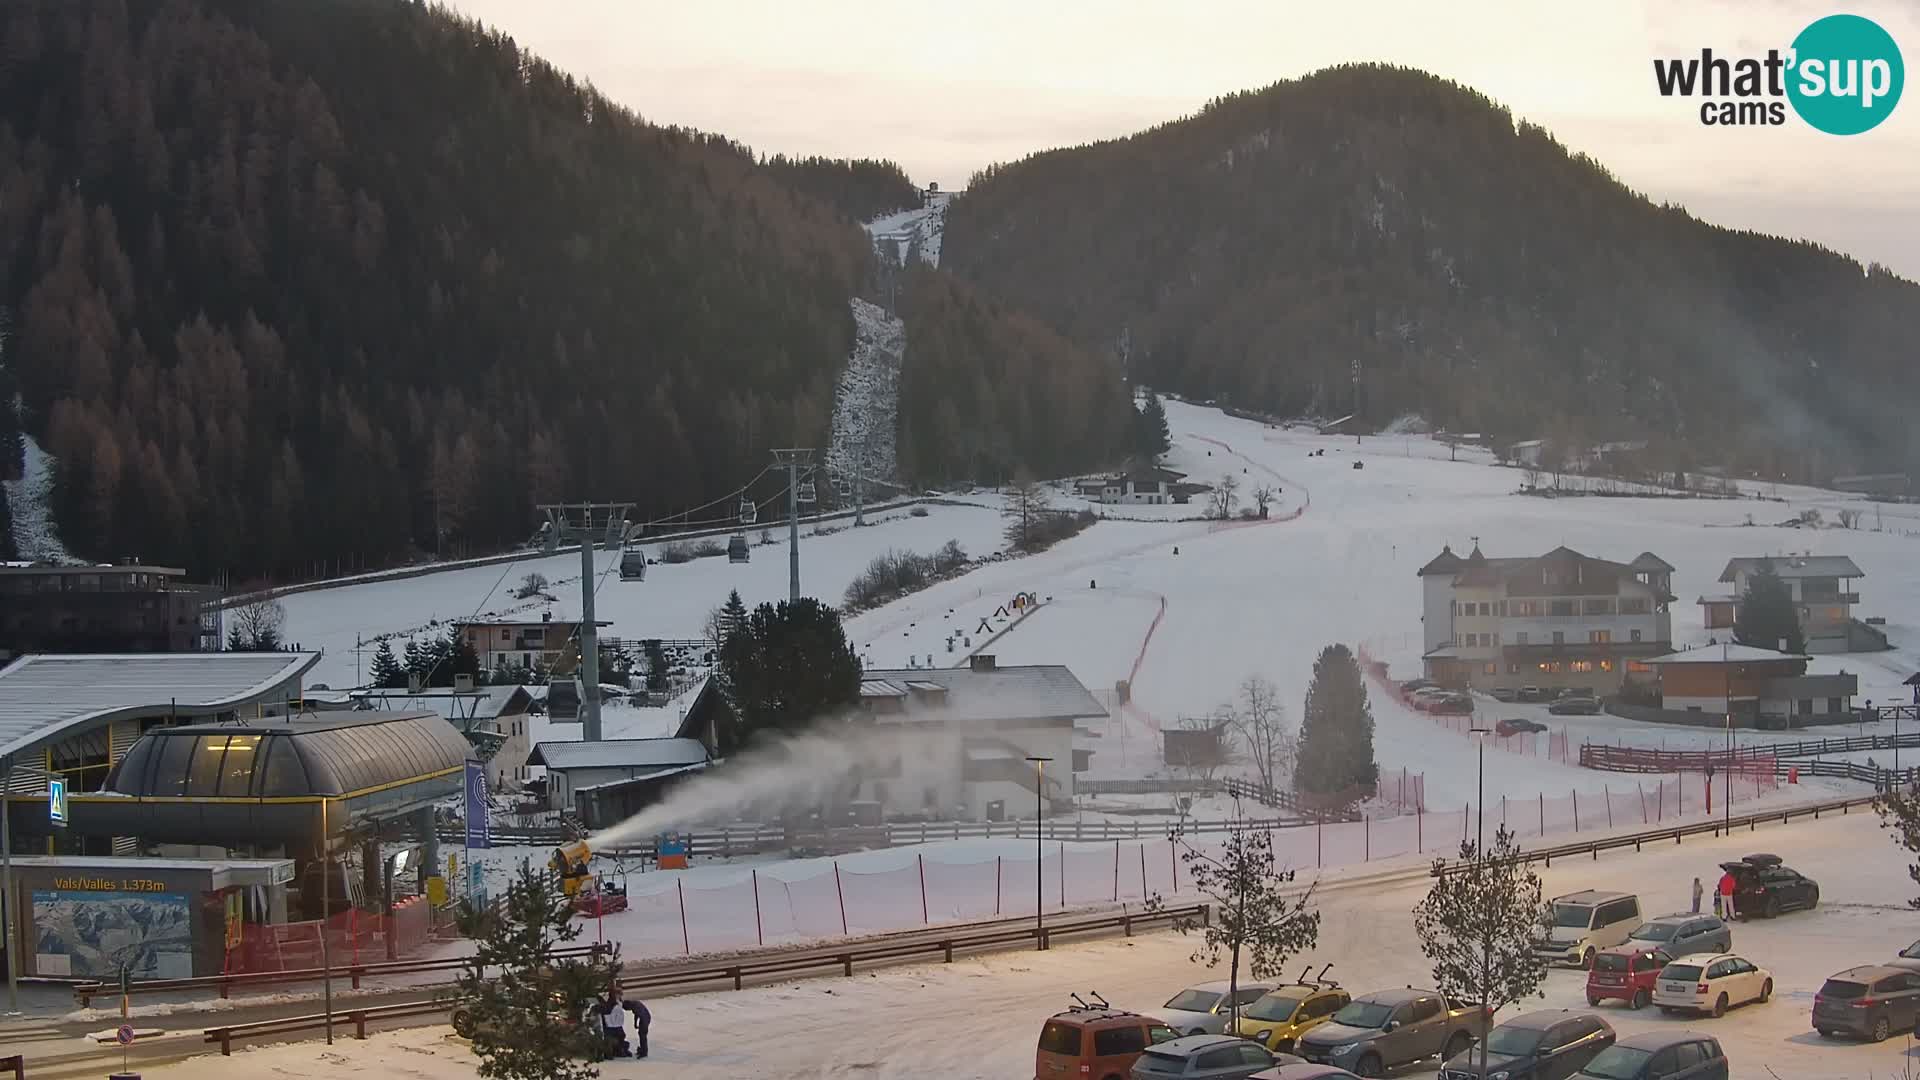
{"points": [[1648, 561], [485, 703], [43, 696], [1729, 654], [1795, 566], [1444, 563], [1035, 692], [1493, 571], [619, 754]]}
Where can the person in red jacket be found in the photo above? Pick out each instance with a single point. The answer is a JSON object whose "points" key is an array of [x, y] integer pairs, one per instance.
{"points": [[1726, 896]]}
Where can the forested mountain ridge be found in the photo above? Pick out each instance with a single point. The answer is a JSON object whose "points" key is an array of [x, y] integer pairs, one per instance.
{"points": [[298, 282], [1386, 225]]}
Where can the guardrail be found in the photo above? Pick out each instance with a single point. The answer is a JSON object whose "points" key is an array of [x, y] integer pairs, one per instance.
{"points": [[84, 993], [1675, 833], [920, 944], [19, 1065], [1597, 755]]}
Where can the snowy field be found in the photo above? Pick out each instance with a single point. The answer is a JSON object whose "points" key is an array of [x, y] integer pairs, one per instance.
{"points": [[854, 1027], [1335, 562]]}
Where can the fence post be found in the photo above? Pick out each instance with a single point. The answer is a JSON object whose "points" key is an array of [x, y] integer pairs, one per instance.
{"points": [[1319, 848], [1174, 864], [1419, 829], [1143, 872], [1116, 871], [759, 930], [1063, 875], [924, 919], [1366, 831], [686, 940], [1576, 810], [996, 884], [842, 897], [1543, 813]]}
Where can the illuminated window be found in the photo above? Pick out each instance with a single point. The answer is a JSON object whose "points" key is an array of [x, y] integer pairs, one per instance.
{"points": [[1606, 665], [1599, 637], [1581, 665], [1638, 668], [1494, 669]]}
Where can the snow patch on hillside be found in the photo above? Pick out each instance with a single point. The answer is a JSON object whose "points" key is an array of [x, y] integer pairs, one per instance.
{"points": [[29, 498], [866, 403], [910, 232]]}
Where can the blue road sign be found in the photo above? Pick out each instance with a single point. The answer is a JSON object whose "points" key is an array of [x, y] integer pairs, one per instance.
{"points": [[57, 801]]}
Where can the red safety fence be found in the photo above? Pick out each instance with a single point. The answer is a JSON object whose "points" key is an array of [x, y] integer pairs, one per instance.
{"points": [[353, 937]]}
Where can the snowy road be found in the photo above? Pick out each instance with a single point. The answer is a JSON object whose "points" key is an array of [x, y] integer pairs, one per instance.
{"points": [[976, 1018]]}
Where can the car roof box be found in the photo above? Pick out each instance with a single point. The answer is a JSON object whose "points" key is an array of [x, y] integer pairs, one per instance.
{"points": [[1762, 859]]}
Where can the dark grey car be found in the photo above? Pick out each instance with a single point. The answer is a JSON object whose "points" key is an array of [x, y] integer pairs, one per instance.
{"points": [[1871, 1002], [1659, 1055], [1683, 934], [1551, 1044], [1206, 1057]]}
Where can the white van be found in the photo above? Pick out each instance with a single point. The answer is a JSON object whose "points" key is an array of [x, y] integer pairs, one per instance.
{"points": [[1583, 923]]}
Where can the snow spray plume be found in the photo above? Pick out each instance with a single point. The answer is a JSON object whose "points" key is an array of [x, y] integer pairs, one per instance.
{"points": [[799, 773]]}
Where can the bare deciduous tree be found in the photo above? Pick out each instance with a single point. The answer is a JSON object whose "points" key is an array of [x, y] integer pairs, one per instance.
{"points": [[1225, 494], [256, 625], [1200, 759], [1849, 519], [1263, 497], [533, 584], [1260, 720], [1026, 508]]}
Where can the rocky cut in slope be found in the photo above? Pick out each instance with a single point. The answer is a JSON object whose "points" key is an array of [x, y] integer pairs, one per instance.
{"points": [[1383, 231], [305, 284]]}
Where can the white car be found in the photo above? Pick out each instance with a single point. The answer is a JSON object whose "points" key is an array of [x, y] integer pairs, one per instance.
{"points": [[1202, 1009], [1710, 983]]}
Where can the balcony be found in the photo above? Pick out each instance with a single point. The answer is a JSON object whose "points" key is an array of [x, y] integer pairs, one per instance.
{"points": [[1830, 598]]}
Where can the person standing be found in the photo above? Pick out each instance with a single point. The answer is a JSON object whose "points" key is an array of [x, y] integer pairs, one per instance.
{"points": [[610, 1010], [642, 1020], [1696, 896], [1726, 897]]}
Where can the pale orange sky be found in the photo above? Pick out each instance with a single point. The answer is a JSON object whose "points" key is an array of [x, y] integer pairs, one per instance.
{"points": [[945, 89]]}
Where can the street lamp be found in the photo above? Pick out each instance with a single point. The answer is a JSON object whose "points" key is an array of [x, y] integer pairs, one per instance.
{"points": [[1039, 856], [1480, 800]]}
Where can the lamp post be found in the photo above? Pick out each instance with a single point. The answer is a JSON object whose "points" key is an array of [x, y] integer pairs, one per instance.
{"points": [[1039, 855], [1480, 800], [1913, 681], [326, 902], [6, 894]]}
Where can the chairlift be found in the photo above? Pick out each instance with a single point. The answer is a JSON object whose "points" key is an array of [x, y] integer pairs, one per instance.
{"points": [[633, 562], [749, 513], [737, 551], [805, 493], [843, 488]]}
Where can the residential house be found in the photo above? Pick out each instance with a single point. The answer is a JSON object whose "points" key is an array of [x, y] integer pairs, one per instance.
{"points": [[546, 641], [573, 767], [1555, 620], [1823, 594], [980, 723], [129, 607], [1752, 684], [1152, 485]]}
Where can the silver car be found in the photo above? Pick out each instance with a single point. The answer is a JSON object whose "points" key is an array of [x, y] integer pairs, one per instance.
{"points": [[1682, 934], [1202, 1009], [1909, 958], [1207, 1057]]}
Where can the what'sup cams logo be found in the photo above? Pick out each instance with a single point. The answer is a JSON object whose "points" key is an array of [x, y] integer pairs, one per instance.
{"points": [[1843, 75]]}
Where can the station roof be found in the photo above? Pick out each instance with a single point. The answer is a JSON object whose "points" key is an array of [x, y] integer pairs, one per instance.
{"points": [[1011, 693], [1725, 654], [619, 754], [46, 696], [340, 754]]}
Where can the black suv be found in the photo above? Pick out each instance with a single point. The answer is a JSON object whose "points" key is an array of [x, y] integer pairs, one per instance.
{"points": [[1659, 1055], [1551, 1044], [1872, 1002], [1763, 886]]}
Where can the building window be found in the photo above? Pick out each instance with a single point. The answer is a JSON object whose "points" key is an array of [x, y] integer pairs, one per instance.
{"points": [[1580, 665], [1513, 667], [1635, 667], [1606, 665], [1598, 605], [1635, 605], [1833, 705], [1804, 707], [1560, 607], [1486, 609], [1559, 637], [1520, 637], [1494, 669], [1635, 634], [1525, 608], [1600, 637]]}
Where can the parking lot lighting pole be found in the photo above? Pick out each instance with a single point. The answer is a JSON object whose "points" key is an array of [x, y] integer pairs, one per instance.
{"points": [[6, 893], [1039, 854], [1480, 804]]}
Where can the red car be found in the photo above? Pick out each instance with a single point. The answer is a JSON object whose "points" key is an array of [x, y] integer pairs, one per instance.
{"points": [[1626, 975]]}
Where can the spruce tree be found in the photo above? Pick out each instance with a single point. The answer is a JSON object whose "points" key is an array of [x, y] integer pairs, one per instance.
{"points": [[1151, 435], [386, 673], [1336, 728], [733, 616], [789, 666], [526, 1010], [417, 660], [1767, 616], [460, 659]]}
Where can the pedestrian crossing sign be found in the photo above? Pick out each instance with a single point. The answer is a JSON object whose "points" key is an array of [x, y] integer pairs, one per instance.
{"points": [[57, 801]]}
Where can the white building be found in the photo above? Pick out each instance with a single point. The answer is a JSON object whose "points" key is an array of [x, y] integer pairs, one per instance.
{"points": [[1822, 587], [574, 765], [994, 718]]}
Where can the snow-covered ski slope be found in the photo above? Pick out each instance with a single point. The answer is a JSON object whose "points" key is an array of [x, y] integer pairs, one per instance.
{"points": [[1335, 562], [915, 232], [866, 400]]}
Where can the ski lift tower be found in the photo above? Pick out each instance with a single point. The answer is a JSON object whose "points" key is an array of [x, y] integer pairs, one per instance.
{"points": [[583, 523], [795, 461]]}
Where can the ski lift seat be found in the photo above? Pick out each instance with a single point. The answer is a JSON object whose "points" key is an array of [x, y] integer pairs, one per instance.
{"points": [[737, 548]]}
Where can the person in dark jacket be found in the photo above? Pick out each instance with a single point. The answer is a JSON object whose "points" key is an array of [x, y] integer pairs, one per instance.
{"points": [[642, 1020], [607, 1012]]}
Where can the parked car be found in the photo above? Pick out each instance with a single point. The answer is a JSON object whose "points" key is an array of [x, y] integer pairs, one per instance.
{"points": [[1388, 1028], [1454, 704], [1575, 706], [1532, 693], [1682, 934], [1206, 1057], [1625, 974], [1097, 1042], [1202, 1009], [1872, 1002], [1305, 1071], [1711, 983], [1908, 958], [1659, 1055], [1578, 691], [1283, 1014], [1517, 725], [1423, 699], [1763, 885], [1551, 1044], [1504, 693], [1586, 922], [1411, 685]]}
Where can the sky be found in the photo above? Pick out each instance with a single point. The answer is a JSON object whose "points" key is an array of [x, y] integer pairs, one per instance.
{"points": [[948, 89]]}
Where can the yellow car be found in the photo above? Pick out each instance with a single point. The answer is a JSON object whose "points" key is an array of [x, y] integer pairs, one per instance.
{"points": [[1287, 1012]]}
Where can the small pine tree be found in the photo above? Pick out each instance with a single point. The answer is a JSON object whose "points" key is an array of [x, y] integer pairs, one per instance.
{"points": [[1336, 728], [1767, 616], [386, 673], [236, 643], [417, 660], [733, 616], [656, 664], [1255, 916], [529, 1009], [1151, 435], [1477, 926]]}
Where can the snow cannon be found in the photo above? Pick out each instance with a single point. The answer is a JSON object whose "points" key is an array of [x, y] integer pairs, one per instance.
{"points": [[569, 862]]}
